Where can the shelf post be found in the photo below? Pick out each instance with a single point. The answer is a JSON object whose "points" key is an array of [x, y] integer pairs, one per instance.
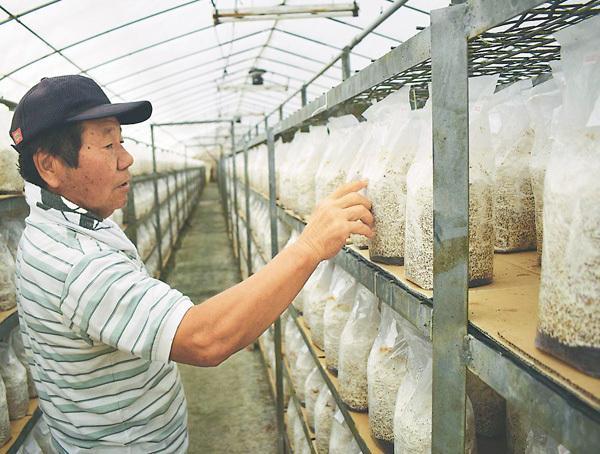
{"points": [[247, 205], [450, 226], [277, 327], [156, 201], [303, 95], [235, 204], [346, 71]]}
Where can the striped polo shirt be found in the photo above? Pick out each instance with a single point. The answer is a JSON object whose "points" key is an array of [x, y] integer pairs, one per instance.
{"points": [[99, 331]]}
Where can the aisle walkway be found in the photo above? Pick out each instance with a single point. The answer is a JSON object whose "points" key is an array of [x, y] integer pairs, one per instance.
{"points": [[230, 407]]}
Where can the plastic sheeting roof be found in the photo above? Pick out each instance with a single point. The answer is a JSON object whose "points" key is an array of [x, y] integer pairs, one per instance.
{"points": [[170, 53]]}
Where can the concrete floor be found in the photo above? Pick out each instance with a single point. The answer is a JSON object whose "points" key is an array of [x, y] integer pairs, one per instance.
{"points": [[230, 407]]}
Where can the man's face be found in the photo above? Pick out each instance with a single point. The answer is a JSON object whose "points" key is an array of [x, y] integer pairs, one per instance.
{"points": [[101, 181]]}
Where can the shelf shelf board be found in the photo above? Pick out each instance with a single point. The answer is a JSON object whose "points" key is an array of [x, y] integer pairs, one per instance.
{"points": [[20, 428], [357, 422], [8, 320]]}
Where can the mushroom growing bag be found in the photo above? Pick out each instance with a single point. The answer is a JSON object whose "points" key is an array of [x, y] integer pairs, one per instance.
{"points": [[312, 155], [312, 387], [569, 302], [542, 105], [341, 147], [7, 274], [355, 344], [319, 294], [342, 440], [16, 342], [15, 380], [514, 208], [414, 402], [325, 408], [386, 369], [418, 243], [394, 146], [300, 371], [337, 311]]}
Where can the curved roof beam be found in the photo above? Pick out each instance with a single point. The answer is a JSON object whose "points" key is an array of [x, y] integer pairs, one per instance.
{"points": [[25, 13], [89, 38], [150, 46], [188, 69], [182, 57]]}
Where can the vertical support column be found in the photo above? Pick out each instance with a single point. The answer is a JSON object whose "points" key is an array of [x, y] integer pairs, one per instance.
{"points": [[303, 95], [346, 71], [185, 184], [248, 226], [274, 252], [235, 203], [130, 216], [222, 177], [156, 201], [451, 226], [281, 112]]}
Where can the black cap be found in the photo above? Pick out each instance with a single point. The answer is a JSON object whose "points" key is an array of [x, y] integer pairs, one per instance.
{"points": [[56, 101]]}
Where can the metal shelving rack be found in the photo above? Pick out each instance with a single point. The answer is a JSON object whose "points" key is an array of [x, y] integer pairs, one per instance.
{"points": [[512, 39]]}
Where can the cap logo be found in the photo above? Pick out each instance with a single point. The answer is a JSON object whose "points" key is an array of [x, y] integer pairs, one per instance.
{"points": [[17, 136]]}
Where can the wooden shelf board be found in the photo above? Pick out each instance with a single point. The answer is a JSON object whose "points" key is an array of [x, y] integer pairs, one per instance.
{"points": [[361, 420], [5, 314], [506, 311], [17, 426]]}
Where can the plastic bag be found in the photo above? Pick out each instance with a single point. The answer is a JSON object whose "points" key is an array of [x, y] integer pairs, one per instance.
{"points": [[325, 408], [303, 366], [10, 179], [294, 155], [314, 306], [569, 304], [15, 380], [543, 101], [4, 416], [387, 183], [30, 446], [308, 166], [7, 274], [16, 342], [332, 169], [12, 230], [386, 369], [418, 254], [514, 208], [312, 386], [356, 342], [7, 286], [41, 432], [363, 134], [342, 440], [539, 442], [337, 310], [292, 418], [413, 411], [489, 407]]}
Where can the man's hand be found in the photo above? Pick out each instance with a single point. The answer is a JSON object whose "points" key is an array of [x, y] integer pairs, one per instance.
{"points": [[342, 213]]}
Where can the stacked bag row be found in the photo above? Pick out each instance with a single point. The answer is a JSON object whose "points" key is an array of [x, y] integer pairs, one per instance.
{"points": [[384, 367], [534, 161]]}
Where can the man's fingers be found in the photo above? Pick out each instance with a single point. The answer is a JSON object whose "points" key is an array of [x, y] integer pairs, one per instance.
{"points": [[359, 212], [354, 198], [359, 228], [348, 188]]}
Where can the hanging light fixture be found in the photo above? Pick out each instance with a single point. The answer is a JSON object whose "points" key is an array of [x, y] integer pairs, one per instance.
{"points": [[280, 12]]}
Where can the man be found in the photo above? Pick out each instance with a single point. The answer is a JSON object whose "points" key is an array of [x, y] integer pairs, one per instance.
{"points": [[103, 335]]}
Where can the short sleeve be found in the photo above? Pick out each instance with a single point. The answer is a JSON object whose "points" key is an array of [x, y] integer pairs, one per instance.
{"points": [[107, 299]]}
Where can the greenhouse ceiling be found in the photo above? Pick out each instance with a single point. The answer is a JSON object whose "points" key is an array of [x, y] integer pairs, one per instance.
{"points": [[172, 53]]}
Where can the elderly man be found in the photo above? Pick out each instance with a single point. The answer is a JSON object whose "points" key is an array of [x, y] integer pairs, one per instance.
{"points": [[103, 335]]}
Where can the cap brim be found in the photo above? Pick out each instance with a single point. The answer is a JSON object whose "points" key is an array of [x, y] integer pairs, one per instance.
{"points": [[128, 113]]}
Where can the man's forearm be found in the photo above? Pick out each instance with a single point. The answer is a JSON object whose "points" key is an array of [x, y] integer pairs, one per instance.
{"points": [[237, 316]]}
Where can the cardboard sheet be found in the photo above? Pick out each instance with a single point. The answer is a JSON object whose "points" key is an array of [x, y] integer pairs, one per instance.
{"points": [[506, 310]]}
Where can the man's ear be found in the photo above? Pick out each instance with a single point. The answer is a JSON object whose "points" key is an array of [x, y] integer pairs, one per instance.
{"points": [[50, 168]]}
